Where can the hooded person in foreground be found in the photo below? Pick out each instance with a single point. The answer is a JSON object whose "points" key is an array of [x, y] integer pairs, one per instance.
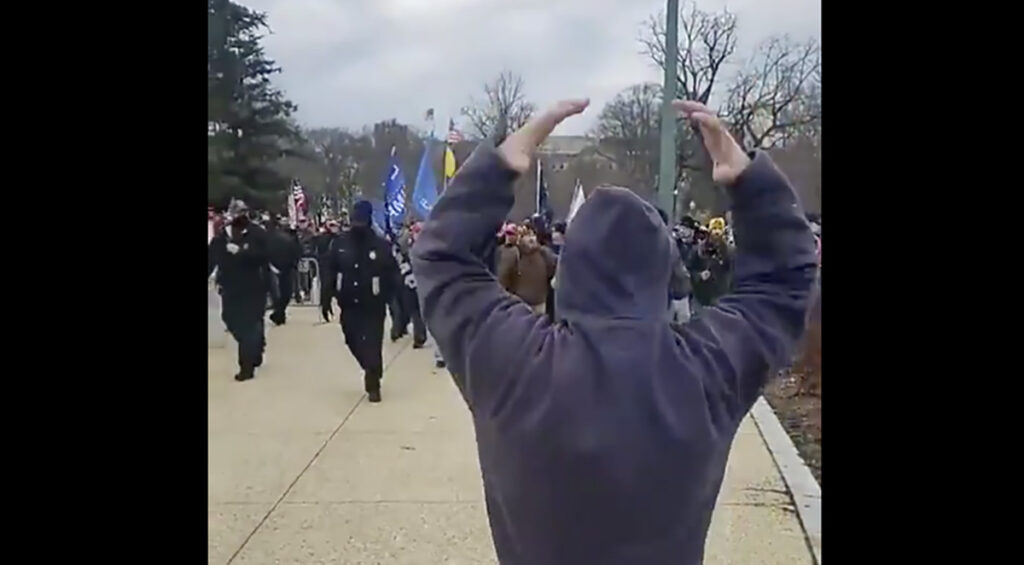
{"points": [[604, 438], [361, 273]]}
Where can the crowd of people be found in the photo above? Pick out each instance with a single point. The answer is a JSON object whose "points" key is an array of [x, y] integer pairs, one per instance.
{"points": [[526, 258], [606, 363], [282, 262]]}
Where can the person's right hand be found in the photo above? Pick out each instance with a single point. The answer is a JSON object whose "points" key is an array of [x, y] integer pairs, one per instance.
{"points": [[518, 148], [728, 157], [232, 248]]}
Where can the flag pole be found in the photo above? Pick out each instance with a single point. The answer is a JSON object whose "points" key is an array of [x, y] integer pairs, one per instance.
{"points": [[538, 185], [444, 159]]}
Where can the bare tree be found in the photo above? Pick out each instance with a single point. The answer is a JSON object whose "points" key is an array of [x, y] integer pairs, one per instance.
{"points": [[342, 155], [504, 107], [777, 94], [706, 41], [628, 128]]}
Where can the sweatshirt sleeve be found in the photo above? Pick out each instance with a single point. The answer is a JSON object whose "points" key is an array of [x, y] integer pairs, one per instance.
{"points": [[753, 331], [484, 333]]}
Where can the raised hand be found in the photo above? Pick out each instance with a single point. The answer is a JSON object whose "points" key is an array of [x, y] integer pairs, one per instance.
{"points": [[518, 149], [728, 157]]}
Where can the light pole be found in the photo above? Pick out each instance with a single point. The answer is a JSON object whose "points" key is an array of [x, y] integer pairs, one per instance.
{"points": [[667, 156]]}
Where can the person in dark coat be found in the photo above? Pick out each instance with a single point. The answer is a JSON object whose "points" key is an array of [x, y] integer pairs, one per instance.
{"points": [[604, 438], [360, 272], [406, 289], [710, 268], [679, 287], [322, 243], [239, 254], [306, 272], [284, 251], [400, 316]]}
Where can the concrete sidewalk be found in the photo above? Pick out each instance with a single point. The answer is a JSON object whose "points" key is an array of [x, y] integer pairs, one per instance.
{"points": [[302, 470]]}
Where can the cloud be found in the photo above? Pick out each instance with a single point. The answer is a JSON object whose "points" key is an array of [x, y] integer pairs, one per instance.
{"points": [[351, 63]]}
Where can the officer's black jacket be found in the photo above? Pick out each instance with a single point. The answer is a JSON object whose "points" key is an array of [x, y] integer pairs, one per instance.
{"points": [[242, 275], [369, 273], [283, 249]]}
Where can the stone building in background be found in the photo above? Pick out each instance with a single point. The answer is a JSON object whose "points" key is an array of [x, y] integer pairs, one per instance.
{"points": [[563, 158]]}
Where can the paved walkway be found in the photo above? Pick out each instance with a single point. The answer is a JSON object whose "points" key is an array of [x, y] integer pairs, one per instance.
{"points": [[302, 470]]}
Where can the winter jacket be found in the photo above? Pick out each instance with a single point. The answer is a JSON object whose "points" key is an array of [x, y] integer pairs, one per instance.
{"points": [[707, 289], [244, 276], [603, 439], [359, 270], [283, 249], [526, 273]]}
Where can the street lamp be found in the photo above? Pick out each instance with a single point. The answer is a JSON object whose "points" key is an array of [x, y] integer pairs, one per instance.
{"points": [[667, 157]]}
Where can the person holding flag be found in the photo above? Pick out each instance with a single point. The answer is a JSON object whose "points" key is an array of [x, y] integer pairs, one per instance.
{"points": [[450, 166]]}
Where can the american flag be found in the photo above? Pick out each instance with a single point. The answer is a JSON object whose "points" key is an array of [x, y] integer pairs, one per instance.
{"points": [[454, 135]]}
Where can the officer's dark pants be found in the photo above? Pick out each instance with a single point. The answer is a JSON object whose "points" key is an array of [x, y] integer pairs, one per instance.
{"points": [[284, 295], [297, 284], [244, 319], [363, 326], [399, 317], [411, 309]]}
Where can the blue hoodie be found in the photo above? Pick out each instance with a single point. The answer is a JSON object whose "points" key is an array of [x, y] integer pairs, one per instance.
{"points": [[603, 438]]}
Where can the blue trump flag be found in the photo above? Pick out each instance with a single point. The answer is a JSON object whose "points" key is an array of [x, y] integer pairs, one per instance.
{"points": [[424, 195], [394, 191]]}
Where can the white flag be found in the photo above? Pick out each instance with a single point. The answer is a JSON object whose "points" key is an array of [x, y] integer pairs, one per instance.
{"points": [[578, 198]]}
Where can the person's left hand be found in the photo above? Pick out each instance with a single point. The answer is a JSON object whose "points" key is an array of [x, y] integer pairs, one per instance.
{"points": [[233, 248], [518, 149]]}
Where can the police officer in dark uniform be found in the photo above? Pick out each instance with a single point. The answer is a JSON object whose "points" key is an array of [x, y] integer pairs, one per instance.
{"points": [[284, 251], [239, 253], [360, 272]]}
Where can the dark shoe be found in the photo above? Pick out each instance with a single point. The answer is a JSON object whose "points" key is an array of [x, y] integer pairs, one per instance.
{"points": [[244, 375], [277, 321], [373, 396], [418, 345], [440, 364]]}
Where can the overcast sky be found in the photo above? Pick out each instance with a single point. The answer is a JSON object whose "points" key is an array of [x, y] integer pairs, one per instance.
{"points": [[353, 62]]}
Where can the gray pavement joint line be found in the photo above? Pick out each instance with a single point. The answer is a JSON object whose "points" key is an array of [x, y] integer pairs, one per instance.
{"points": [[803, 489], [308, 464]]}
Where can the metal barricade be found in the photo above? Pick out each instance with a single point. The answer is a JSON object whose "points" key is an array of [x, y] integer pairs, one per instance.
{"points": [[308, 281]]}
